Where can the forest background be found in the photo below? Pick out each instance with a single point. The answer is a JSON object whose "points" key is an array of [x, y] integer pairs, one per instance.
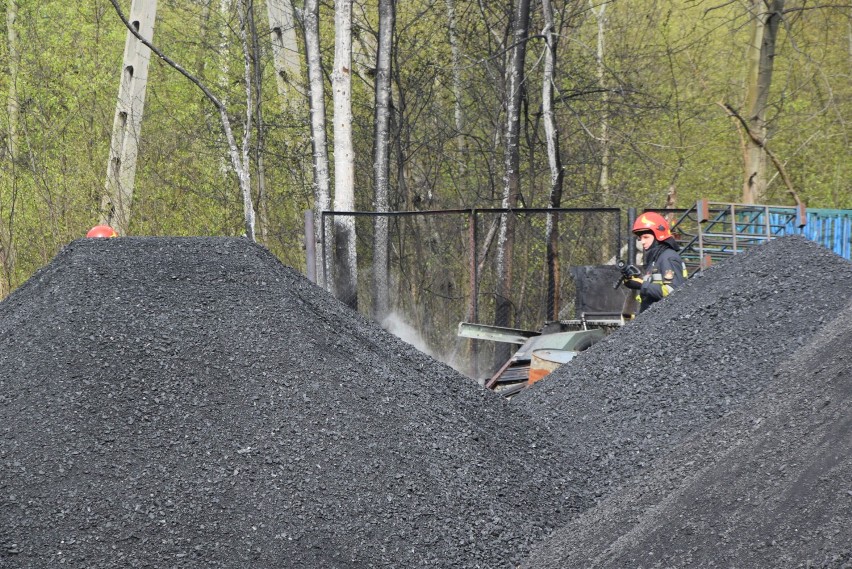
{"points": [[650, 99]]}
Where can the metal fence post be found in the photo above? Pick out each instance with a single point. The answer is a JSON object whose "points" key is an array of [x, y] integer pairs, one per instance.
{"points": [[474, 297], [631, 243], [324, 252], [310, 247]]}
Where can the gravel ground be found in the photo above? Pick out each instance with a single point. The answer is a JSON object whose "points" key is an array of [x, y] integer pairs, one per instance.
{"points": [[194, 403], [726, 443]]}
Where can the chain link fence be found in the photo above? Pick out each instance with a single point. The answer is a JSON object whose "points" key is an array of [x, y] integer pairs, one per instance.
{"points": [[443, 271]]}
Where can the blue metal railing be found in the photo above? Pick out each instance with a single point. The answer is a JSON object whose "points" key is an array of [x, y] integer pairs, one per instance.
{"points": [[711, 231], [832, 229]]}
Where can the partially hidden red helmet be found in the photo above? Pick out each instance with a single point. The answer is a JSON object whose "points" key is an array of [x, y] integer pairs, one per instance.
{"points": [[102, 231], [655, 223]]}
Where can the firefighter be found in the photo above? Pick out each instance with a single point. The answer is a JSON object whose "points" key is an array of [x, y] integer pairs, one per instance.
{"points": [[664, 270]]}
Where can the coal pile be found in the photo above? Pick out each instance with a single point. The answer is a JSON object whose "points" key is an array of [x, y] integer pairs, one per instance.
{"points": [[194, 403], [716, 427], [712, 345], [768, 485]]}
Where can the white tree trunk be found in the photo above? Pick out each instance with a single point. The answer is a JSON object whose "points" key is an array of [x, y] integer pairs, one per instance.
{"points": [[512, 182], [554, 161], [346, 268], [244, 171], [600, 15], [319, 144], [285, 52], [458, 109], [381, 159], [127, 124], [240, 164]]}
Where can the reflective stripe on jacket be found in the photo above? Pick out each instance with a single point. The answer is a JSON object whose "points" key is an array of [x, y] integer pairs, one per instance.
{"points": [[666, 273]]}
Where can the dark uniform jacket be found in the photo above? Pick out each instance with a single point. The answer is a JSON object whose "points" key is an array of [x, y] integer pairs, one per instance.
{"points": [[663, 272]]}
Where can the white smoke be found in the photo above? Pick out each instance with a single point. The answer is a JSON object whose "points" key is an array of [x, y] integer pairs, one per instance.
{"points": [[396, 325]]}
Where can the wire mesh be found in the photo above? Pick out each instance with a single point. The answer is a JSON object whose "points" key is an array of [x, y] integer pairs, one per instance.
{"points": [[443, 270]]}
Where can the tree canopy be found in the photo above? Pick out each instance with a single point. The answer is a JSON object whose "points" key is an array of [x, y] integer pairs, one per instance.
{"points": [[657, 91]]}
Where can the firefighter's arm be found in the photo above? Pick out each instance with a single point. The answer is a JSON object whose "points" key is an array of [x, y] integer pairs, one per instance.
{"points": [[672, 275]]}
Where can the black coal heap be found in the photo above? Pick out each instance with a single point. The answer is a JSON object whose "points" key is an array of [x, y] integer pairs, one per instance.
{"points": [[716, 428], [191, 402]]}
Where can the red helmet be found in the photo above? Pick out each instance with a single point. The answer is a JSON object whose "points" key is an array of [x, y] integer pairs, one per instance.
{"points": [[102, 231], [653, 222]]}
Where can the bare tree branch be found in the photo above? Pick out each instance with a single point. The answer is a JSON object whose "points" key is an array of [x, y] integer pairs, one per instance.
{"points": [[240, 168], [762, 143], [822, 7], [172, 63], [720, 6]]}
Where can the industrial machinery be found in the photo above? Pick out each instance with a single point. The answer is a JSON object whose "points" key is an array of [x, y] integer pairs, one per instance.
{"points": [[599, 309], [707, 233]]}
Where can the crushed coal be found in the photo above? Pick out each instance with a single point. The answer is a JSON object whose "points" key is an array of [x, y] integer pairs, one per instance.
{"points": [[710, 346], [716, 427], [191, 402], [768, 485]]}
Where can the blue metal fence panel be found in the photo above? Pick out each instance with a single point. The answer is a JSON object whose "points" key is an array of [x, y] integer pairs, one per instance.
{"points": [[831, 228], [712, 231]]}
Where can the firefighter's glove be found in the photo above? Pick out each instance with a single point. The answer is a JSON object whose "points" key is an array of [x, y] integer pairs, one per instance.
{"points": [[628, 271], [634, 283]]}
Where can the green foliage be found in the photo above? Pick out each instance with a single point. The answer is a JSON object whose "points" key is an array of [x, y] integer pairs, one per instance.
{"points": [[667, 65]]}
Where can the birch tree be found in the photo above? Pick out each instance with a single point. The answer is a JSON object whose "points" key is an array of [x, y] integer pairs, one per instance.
{"points": [[241, 163], [553, 159], [127, 123], [765, 18], [319, 143], [254, 55], [346, 268], [512, 181], [285, 51], [224, 47], [12, 147], [238, 156], [381, 158]]}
